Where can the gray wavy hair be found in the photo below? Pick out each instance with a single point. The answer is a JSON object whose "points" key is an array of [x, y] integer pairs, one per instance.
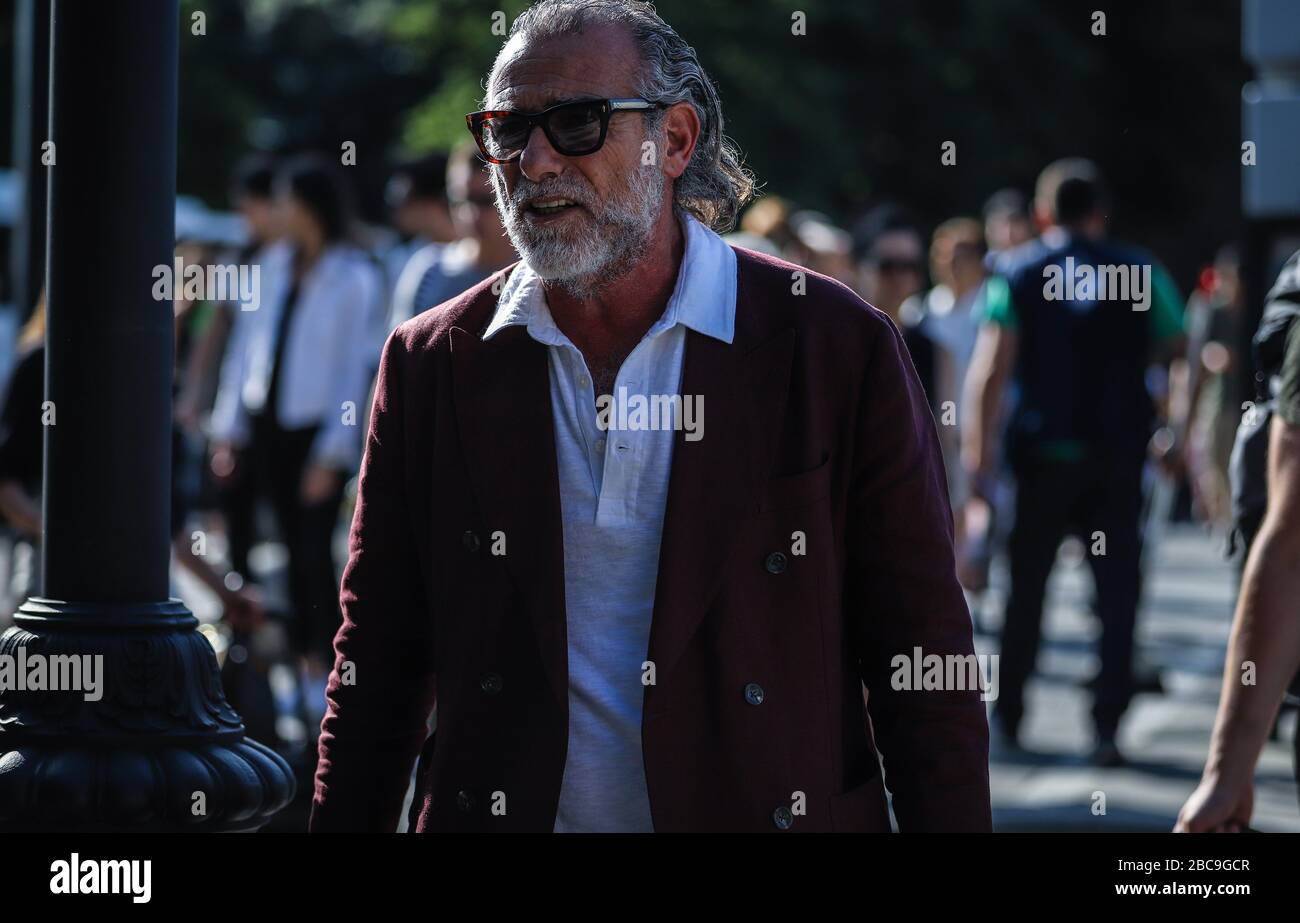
{"points": [[716, 183]]}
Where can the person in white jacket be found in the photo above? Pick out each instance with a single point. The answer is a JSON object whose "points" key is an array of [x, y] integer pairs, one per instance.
{"points": [[294, 385]]}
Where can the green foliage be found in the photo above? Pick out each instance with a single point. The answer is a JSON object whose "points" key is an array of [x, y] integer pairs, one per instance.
{"points": [[855, 110], [439, 121], [852, 112], [462, 37]]}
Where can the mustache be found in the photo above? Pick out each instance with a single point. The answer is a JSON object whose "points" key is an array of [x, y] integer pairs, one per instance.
{"points": [[526, 191]]}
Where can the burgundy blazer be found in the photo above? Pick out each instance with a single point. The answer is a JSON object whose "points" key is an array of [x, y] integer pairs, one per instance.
{"points": [[815, 423]]}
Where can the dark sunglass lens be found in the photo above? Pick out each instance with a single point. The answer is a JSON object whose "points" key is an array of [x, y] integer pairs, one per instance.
{"points": [[505, 136], [576, 128]]}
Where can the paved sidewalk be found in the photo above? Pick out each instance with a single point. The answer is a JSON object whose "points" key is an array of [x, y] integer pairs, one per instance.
{"points": [[1182, 632]]}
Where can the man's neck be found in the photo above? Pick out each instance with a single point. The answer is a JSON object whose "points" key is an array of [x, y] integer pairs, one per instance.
{"points": [[606, 326]]}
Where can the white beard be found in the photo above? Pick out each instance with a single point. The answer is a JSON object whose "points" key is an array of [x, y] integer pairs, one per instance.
{"points": [[585, 260]]}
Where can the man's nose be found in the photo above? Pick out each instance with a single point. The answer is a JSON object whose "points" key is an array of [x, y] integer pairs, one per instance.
{"points": [[539, 159]]}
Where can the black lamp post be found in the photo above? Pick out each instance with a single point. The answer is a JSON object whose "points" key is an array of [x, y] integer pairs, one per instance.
{"points": [[159, 748]]}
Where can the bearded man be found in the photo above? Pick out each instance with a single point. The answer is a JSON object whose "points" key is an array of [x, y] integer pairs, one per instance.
{"points": [[626, 626]]}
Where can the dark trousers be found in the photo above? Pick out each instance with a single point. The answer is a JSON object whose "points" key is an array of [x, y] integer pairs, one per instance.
{"points": [[307, 531], [238, 501], [1053, 498]]}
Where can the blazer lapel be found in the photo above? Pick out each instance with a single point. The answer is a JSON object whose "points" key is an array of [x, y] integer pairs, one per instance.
{"points": [[501, 390], [503, 410], [714, 483]]}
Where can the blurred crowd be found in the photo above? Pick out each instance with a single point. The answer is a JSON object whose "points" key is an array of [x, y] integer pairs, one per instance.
{"points": [[1058, 419], [271, 403]]}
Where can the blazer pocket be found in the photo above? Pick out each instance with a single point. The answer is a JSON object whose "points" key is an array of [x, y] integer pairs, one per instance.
{"points": [[862, 809], [796, 490]]}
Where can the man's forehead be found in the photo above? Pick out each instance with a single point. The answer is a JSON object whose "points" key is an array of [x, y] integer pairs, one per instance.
{"points": [[538, 72]]}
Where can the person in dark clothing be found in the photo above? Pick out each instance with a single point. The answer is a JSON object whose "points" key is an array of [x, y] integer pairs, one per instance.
{"points": [[21, 445], [440, 270], [1075, 319], [890, 257], [291, 401], [241, 603], [237, 487]]}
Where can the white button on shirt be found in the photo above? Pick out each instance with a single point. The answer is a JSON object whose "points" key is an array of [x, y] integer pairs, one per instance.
{"points": [[613, 491]]}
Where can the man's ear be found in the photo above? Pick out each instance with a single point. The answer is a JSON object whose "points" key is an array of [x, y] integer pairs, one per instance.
{"points": [[680, 132]]}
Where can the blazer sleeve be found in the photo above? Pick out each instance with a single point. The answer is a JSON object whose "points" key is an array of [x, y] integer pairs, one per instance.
{"points": [[902, 595], [381, 690]]}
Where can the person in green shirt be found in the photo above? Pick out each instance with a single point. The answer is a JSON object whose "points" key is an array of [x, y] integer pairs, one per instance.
{"points": [[1080, 427]]}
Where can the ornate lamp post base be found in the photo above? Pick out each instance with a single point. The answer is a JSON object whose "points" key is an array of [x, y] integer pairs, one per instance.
{"points": [[114, 719], [112, 715]]}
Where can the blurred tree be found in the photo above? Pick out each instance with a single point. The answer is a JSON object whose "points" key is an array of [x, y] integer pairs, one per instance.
{"points": [[464, 36], [856, 110], [852, 112], [294, 75]]}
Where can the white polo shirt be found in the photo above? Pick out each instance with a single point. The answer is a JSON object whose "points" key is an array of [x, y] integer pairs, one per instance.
{"points": [[613, 472]]}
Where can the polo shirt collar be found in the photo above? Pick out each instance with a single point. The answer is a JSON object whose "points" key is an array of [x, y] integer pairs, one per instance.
{"points": [[704, 298]]}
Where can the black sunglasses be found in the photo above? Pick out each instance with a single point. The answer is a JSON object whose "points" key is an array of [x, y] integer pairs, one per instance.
{"points": [[574, 129]]}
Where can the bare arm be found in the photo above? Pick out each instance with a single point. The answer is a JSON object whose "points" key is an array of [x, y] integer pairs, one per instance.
{"points": [[1266, 628], [1265, 634], [986, 382]]}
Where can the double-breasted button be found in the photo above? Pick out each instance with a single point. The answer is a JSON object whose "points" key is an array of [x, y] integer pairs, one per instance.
{"points": [[775, 563], [783, 817], [465, 801], [754, 694], [490, 683], [469, 541]]}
